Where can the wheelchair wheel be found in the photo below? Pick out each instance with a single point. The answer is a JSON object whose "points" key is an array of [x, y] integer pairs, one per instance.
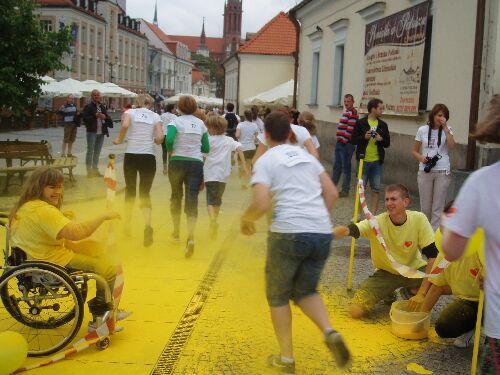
{"points": [[42, 303]]}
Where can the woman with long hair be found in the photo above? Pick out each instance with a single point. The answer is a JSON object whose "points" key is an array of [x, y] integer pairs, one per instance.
{"points": [[144, 131], [187, 140], [432, 144], [306, 119], [45, 233]]}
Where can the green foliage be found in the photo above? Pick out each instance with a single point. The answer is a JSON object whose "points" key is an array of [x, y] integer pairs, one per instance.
{"points": [[207, 64], [27, 52]]}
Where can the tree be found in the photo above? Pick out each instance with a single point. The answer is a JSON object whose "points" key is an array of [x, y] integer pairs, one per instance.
{"points": [[27, 52], [207, 64]]}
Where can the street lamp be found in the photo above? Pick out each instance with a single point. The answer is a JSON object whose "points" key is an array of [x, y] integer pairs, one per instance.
{"points": [[111, 64]]}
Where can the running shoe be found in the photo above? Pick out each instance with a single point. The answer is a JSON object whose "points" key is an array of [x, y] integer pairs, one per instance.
{"points": [[275, 362], [189, 250], [338, 348]]}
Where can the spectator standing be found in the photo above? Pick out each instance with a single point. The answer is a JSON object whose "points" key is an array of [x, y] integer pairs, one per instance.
{"points": [[435, 139], [144, 130], [97, 122], [478, 205], [232, 121], [344, 147], [166, 118], [70, 116], [371, 135], [187, 140]]}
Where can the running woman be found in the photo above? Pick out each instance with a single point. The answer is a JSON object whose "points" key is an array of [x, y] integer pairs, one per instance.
{"points": [[246, 133], [299, 239]]}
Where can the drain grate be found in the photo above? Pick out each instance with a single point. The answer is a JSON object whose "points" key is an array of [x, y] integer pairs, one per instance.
{"points": [[171, 353]]}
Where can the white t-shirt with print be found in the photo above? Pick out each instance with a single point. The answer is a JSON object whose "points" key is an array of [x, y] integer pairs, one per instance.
{"points": [[432, 149], [301, 133], [190, 130], [140, 135], [248, 132], [292, 176], [478, 206], [315, 141], [217, 165], [167, 118]]}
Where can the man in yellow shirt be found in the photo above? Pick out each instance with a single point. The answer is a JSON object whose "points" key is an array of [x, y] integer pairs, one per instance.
{"points": [[408, 235], [371, 135], [458, 319]]}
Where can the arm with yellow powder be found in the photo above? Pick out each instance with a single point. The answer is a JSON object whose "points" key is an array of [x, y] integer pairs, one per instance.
{"points": [[79, 231]]}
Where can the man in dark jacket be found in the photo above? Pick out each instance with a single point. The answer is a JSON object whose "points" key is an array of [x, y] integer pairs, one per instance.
{"points": [[371, 135], [232, 121], [97, 121]]}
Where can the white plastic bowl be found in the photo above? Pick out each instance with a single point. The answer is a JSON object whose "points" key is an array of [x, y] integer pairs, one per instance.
{"points": [[407, 324]]}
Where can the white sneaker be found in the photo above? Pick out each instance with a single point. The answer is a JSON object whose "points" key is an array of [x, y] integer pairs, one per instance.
{"points": [[122, 315], [465, 341]]}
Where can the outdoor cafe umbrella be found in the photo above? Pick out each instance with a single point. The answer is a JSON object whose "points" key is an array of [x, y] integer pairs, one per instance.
{"points": [[279, 95]]}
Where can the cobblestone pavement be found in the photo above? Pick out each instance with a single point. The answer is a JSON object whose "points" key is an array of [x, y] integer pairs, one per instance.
{"points": [[223, 314]]}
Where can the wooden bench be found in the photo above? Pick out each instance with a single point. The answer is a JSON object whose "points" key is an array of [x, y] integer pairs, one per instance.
{"points": [[29, 154]]}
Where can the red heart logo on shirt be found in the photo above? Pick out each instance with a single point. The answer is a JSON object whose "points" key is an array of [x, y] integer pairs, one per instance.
{"points": [[474, 272], [408, 243]]}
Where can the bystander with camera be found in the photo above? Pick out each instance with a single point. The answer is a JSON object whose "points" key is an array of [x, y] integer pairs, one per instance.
{"points": [[432, 143]]}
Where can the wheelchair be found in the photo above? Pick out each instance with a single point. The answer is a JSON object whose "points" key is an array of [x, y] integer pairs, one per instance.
{"points": [[44, 302]]}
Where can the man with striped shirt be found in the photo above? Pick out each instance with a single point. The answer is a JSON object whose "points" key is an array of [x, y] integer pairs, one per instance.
{"points": [[344, 148]]}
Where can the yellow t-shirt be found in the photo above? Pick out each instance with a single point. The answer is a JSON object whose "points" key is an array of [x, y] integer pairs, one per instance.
{"points": [[371, 153], [461, 276], [35, 229], [403, 241]]}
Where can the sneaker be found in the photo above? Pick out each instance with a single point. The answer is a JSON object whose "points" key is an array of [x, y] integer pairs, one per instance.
{"points": [[212, 230], [466, 340], [403, 294], [148, 236], [91, 327], [343, 194], [275, 361], [338, 348], [175, 236], [122, 315], [189, 250]]}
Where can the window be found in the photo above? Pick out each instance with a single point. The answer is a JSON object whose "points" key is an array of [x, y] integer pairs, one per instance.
{"points": [[83, 66], [314, 79], [92, 39], [84, 34], [338, 74], [99, 39], [91, 66], [47, 25]]}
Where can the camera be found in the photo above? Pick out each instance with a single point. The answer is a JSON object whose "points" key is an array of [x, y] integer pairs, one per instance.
{"points": [[431, 162], [373, 133]]}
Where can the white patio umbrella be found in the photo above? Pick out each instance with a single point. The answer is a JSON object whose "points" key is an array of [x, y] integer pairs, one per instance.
{"points": [[48, 79], [56, 89], [279, 95], [71, 84], [123, 92], [106, 91]]}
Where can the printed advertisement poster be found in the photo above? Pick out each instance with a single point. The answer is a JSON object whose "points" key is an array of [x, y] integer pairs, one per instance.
{"points": [[394, 54]]}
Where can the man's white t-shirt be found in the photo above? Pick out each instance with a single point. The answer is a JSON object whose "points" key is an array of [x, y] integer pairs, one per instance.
{"points": [[248, 132], [167, 118], [431, 149], [258, 121], [140, 135], [301, 133], [478, 205], [190, 130], [292, 176], [217, 165]]}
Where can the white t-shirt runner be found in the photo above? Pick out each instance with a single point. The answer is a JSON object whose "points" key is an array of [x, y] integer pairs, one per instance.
{"points": [[431, 149], [301, 133], [292, 176], [248, 132], [478, 205], [217, 165], [258, 121], [140, 135], [190, 130]]}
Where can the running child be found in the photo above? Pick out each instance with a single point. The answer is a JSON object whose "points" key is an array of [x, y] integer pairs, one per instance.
{"points": [[246, 133]]}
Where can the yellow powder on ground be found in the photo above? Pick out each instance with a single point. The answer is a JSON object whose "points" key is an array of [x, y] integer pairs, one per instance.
{"points": [[416, 368]]}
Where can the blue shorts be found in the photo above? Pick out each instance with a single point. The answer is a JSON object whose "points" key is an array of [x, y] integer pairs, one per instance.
{"points": [[294, 264], [215, 189], [372, 173]]}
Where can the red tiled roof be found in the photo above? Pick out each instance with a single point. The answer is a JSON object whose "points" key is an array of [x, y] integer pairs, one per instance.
{"points": [[197, 76], [159, 32], [277, 37], [214, 45]]}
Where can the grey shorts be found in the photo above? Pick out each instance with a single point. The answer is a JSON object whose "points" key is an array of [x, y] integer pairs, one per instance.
{"points": [[69, 133], [294, 264]]}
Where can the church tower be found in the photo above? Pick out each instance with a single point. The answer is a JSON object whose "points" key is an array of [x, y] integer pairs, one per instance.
{"points": [[233, 10], [202, 48]]}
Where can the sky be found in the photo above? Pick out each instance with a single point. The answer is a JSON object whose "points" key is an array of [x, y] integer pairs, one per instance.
{"points": [[185, 17]]}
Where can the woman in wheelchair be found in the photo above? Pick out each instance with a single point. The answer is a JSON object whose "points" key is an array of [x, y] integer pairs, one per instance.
{"points": [[45, 233]]}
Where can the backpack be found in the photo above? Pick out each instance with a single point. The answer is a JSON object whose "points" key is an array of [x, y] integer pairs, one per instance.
{"points": [[232, 123]]}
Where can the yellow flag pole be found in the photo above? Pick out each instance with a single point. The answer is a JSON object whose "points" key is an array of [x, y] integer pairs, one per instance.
{"points": [[355, 220], [478, 333]]}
